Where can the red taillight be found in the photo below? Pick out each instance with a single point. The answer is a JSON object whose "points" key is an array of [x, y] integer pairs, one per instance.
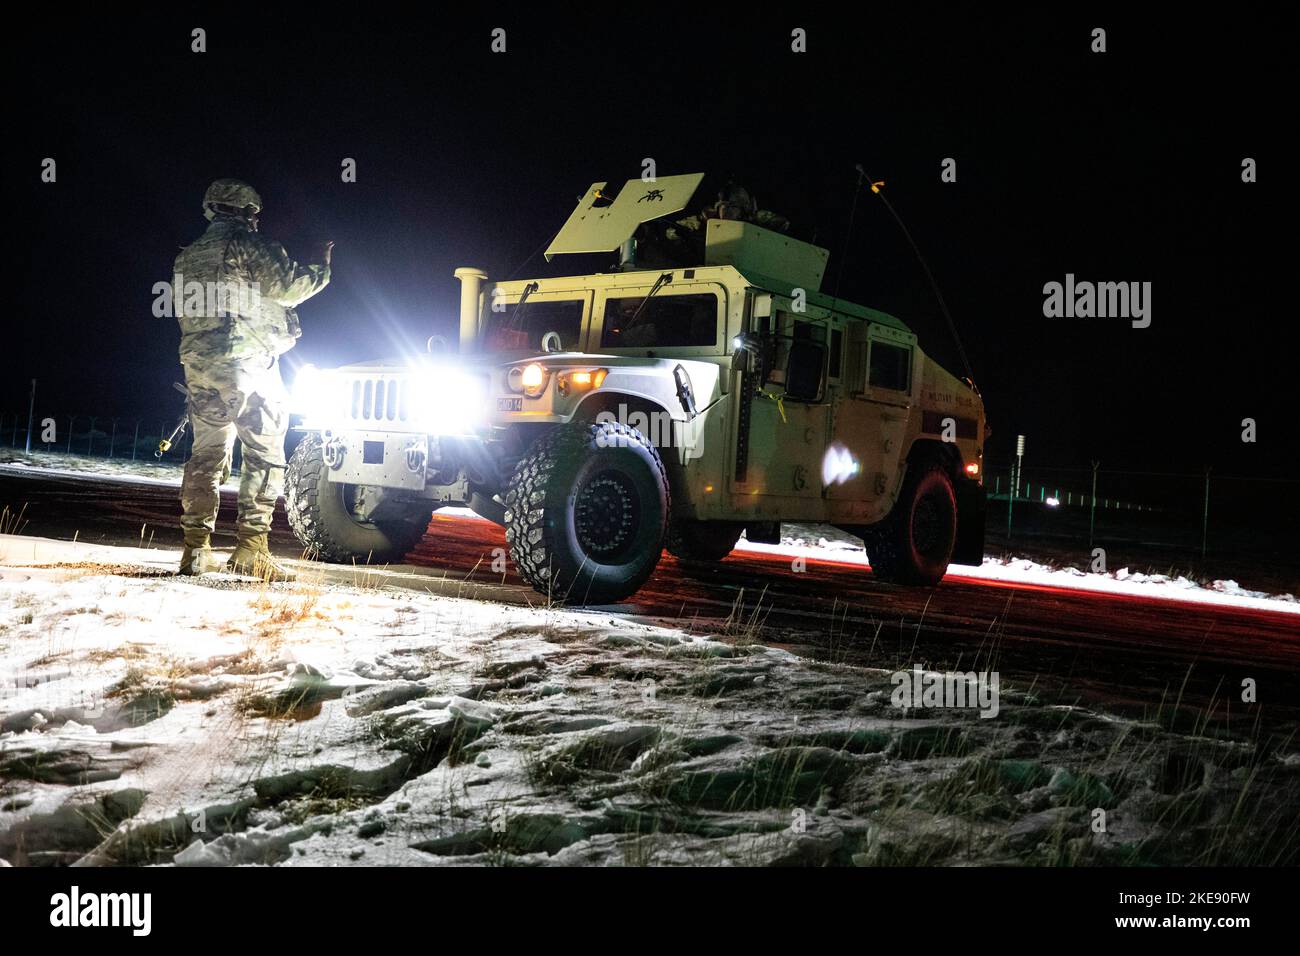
{"points": [[973, 469]]}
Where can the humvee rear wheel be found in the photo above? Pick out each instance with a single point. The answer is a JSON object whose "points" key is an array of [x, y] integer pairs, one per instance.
{"points": [[587, 511], [703, 540], [914, 544], [322, 514]]}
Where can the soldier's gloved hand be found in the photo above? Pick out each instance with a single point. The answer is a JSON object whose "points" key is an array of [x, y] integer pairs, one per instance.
{"points": [[329, 249]]}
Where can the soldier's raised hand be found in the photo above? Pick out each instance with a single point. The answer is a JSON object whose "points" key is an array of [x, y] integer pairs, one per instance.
{"points": [[329, 249]]}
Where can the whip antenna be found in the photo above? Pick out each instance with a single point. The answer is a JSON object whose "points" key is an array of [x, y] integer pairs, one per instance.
{"points": [[943, 306]]}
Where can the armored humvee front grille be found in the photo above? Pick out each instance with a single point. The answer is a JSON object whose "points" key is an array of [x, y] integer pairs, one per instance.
{"points": [[385, 398]]}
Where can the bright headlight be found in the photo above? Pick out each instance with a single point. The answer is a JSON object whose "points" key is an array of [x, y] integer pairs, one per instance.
{"points": [[534, 379], [309, 392], [449, 401]]}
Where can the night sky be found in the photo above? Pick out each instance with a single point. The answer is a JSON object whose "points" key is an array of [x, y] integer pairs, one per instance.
{"points": [[1123, 166]]}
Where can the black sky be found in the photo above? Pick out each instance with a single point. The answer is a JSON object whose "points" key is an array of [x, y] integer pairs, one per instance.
{"points": [[1123, 166]]}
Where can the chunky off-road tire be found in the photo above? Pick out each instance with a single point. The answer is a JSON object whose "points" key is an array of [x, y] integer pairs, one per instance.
{"points": [[320, 518], [914, 544], [703, 540], [587, 512]]}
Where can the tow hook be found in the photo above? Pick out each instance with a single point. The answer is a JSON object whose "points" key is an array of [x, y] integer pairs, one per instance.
{"points": [[416, 458], [332, 453]]}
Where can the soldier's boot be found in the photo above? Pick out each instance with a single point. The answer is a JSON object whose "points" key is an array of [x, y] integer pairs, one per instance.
{"points": [[253, 558], [197, 556]]}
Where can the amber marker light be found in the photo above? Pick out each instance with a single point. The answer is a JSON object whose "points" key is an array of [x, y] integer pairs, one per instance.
{"points": [[580, 380]]}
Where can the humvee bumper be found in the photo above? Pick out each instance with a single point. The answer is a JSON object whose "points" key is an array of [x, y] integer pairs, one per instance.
{"points": [[403, 460], [381, 459]]}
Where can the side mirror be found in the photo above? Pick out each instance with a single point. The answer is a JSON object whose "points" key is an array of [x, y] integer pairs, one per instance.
{"points": [[804, 372]]}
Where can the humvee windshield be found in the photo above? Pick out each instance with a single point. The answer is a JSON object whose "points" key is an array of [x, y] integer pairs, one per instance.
{"points": [[664, 321], [521, 329]]}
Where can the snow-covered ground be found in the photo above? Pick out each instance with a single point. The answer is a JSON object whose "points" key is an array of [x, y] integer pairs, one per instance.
{"points": [[146, 718], [820, 542]]}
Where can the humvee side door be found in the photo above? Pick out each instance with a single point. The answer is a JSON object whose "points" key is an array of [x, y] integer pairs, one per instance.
{"points": [[779, 468], [870, 419]]}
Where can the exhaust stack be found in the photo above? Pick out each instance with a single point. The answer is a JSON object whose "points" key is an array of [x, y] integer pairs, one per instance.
{"points": [[471, 292]]}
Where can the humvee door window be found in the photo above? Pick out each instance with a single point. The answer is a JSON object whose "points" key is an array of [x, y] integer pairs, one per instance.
{"points": [[837, 352], [521, 330], [806, 331], [666, 321], [891, 367]]}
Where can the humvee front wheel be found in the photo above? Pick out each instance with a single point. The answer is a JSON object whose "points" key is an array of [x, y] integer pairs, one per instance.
{"points": [[703, 540], [586, 512], [914, 544], [323, 517]]}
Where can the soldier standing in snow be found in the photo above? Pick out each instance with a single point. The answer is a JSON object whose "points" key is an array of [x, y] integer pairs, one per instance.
{"points": [[232, 335]]}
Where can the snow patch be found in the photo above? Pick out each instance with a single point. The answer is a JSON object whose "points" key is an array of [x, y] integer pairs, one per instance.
{"points": [[820, 543]]}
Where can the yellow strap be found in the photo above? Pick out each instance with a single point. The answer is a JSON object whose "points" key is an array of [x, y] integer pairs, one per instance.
{"points": [[780, 404]]}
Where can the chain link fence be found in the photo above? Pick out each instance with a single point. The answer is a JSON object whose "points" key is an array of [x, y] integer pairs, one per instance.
{"points": [[93, 435], [118, 438], [1201, 523]]}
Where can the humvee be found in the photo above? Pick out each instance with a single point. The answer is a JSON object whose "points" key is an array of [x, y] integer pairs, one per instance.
{"points": [[603, 418]]}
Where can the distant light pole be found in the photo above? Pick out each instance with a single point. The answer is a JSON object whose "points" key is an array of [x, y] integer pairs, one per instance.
{"points": [[1015, 483], [31, 414], [113, 440], [71, 421], [135, 444], [1020, 454], [90, 439]]}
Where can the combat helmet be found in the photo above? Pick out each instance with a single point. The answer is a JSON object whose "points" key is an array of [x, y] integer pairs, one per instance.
{"points": [[233, 193]]}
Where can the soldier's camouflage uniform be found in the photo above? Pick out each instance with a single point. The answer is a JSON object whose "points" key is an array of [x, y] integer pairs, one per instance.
{"points": [[231, 359]]}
